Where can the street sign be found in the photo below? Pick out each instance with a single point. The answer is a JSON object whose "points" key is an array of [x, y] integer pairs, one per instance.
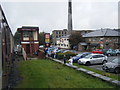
{"points": [[47, 39]]}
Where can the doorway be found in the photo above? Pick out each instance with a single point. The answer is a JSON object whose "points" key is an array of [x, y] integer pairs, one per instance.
{"points": [[28, 48]]}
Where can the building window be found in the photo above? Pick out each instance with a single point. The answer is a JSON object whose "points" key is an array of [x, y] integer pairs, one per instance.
{"points": [[26, 34], [61, 44], [114, 39], [59, 32], [94, 39], [56, 32], [65, 33], [89, 39], [56, 36]]}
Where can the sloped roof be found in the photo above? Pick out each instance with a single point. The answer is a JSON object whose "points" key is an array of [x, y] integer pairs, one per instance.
{"points": [[28, 28], [102, 32]]}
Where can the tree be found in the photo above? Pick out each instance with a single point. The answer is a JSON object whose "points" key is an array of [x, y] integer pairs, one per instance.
{"points": [[42, 38], [75, 38], [17, 38]]}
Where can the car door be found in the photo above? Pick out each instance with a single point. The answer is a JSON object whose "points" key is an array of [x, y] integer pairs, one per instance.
{"points": [[100, 58], [93, 59], [97, 59]]}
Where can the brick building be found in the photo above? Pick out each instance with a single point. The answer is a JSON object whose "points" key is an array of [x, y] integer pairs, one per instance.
{"points": [[56, 34], [103, 38], [29, 39]]}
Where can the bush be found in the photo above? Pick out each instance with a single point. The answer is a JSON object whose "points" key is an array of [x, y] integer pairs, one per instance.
{"points": [[61, 55]]}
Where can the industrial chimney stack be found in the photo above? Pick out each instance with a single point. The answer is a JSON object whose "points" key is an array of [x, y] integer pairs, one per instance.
{"points": [[70, 16]]}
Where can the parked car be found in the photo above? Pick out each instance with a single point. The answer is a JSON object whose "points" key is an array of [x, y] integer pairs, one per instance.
{"points": [[110, 52], [113, 66], [80, 55], [117, 51], [49, 51], [93, 59], [99, 51], [74, 51], [61, 50], [66, 51], [104, 51]]}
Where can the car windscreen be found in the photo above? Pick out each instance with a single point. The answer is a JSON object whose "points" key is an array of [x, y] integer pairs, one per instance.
{"points": [[79, 55], [116, 61]]}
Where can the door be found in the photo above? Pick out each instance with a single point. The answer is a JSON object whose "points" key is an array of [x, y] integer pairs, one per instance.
{"points": [[28, 48], [96, 59]]}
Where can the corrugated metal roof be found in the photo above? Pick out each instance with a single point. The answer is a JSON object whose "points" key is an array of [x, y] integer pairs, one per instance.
{"points": [[102, 32]]}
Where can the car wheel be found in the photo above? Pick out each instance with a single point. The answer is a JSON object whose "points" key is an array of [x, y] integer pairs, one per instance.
{"points": [[106, 69], [104, 62], [87, 64], [117, 70], [117, 54], [103, 68]]}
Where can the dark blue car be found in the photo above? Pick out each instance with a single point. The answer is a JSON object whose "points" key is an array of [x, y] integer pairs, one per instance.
{"points": [[80, 55]]}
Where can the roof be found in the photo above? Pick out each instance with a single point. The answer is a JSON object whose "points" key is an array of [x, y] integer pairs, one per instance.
{"points": [[28, 28], [96, 54], [74, 30], [102, 32]]}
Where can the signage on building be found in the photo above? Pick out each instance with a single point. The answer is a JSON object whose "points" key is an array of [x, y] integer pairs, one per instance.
{"points": [[47, 39]]}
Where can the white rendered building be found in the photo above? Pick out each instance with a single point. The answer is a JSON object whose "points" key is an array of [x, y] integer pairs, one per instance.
{"points": [[63, 42]]}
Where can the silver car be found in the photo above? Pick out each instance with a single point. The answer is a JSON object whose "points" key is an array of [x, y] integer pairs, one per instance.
{"points": [[93, 59], [113, 66]]}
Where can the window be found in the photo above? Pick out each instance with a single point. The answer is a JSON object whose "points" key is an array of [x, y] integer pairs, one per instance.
{"points": [[114, 38], [99, 56], [89, 39], [56, 32], [65, 33], [59, 32], [56, 36], [96, 56], [94, 39], [26, 34]]}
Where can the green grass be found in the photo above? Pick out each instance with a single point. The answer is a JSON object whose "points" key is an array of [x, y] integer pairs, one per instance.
{"points": [[111, 75], [49, 74]]}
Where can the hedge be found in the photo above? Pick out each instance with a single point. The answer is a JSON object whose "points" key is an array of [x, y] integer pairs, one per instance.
{"points": [[68, 54]]}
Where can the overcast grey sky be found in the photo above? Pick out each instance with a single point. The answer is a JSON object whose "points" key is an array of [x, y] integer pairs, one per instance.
{"points": [[53, 15]]}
